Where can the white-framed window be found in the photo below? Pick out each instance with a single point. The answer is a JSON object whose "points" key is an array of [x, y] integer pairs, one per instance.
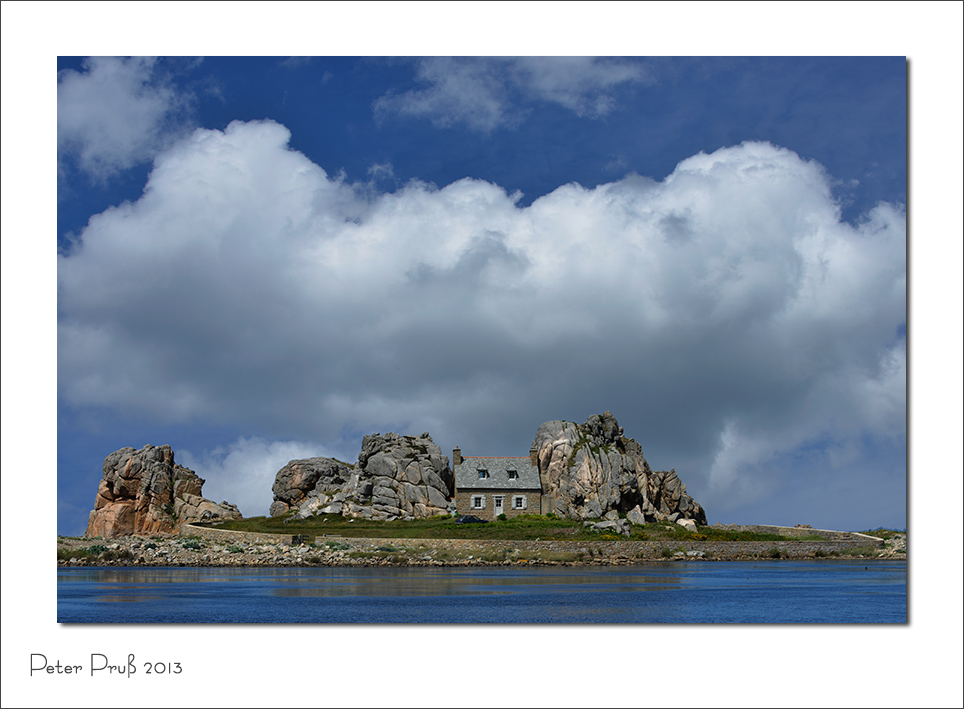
{"points": [[513, 474], [483, 473], [519, 502], [478, 502]]}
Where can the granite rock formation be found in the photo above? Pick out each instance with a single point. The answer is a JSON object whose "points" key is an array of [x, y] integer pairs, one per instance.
{"points": [[396, 477], [309, 485], [145, 492], [592, 471]]}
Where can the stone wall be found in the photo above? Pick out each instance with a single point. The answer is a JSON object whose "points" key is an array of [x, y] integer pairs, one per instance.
{"points": [[228, 536], [463, 503], [647, 549], [853, 537], [628, 549]]}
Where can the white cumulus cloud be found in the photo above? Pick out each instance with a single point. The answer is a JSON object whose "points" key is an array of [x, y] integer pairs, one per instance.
{"points": [[725, 313], [115, 114]]}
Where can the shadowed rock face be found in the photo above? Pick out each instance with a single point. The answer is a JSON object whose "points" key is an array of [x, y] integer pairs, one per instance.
{"points": [[592, 470], [396, 477], [145, 492], [311, 479]]}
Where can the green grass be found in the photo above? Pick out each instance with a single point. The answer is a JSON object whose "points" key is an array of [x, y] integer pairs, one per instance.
{"points": [[68, 554], [725, 535], [860, 551], [522, 527]]}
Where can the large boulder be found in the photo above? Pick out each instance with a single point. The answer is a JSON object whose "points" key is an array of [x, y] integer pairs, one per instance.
{"points": [[318, 479], [145, 492], [404, 477], [396, 477], [591, 470], [636, 516]]}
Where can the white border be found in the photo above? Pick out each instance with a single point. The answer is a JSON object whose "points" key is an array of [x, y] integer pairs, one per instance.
{"points": [[918, 665]]}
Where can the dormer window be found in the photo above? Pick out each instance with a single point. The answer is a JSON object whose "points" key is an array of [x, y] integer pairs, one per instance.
{"points": [[513, 474], [483, 473]]}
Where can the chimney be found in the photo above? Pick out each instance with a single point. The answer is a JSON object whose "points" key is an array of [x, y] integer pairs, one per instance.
{"points": [[456, 456]]}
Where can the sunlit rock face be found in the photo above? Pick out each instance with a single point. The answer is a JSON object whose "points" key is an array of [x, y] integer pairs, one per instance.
{"points": [[145, 492], [592, 470], [587, 471]]}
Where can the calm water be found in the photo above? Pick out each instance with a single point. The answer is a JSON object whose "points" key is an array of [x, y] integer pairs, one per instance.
{"points": [[671, 592]]}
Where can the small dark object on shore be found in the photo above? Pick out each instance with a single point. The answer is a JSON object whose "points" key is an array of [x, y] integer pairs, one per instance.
{"points": [[470, 519]]}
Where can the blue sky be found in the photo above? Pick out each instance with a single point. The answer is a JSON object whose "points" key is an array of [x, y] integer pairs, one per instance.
{"points": [[263, 258]]}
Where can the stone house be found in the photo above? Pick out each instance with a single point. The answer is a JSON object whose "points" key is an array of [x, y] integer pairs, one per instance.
{"points": [[489, 486]]}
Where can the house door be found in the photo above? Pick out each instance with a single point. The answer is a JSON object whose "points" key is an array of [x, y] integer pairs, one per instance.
{"points": [[498, 505]]}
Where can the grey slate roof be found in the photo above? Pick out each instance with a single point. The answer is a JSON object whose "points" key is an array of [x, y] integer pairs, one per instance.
{"points": [[467, 474]]}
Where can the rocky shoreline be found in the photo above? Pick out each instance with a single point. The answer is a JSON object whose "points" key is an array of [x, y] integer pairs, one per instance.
{"points": [[169, 550]]}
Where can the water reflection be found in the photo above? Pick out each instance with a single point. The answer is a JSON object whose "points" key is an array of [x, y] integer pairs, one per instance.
{"points": [[407, 583], [128, 598], [131, 584], [141, 576], [674, 592]]}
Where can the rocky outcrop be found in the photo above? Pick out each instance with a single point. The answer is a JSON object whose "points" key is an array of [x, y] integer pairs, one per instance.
{"points": [[400, 477], [588, 471], [592, 471], [311, 484], [145, 492], [616, 526], [396, 477]]}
